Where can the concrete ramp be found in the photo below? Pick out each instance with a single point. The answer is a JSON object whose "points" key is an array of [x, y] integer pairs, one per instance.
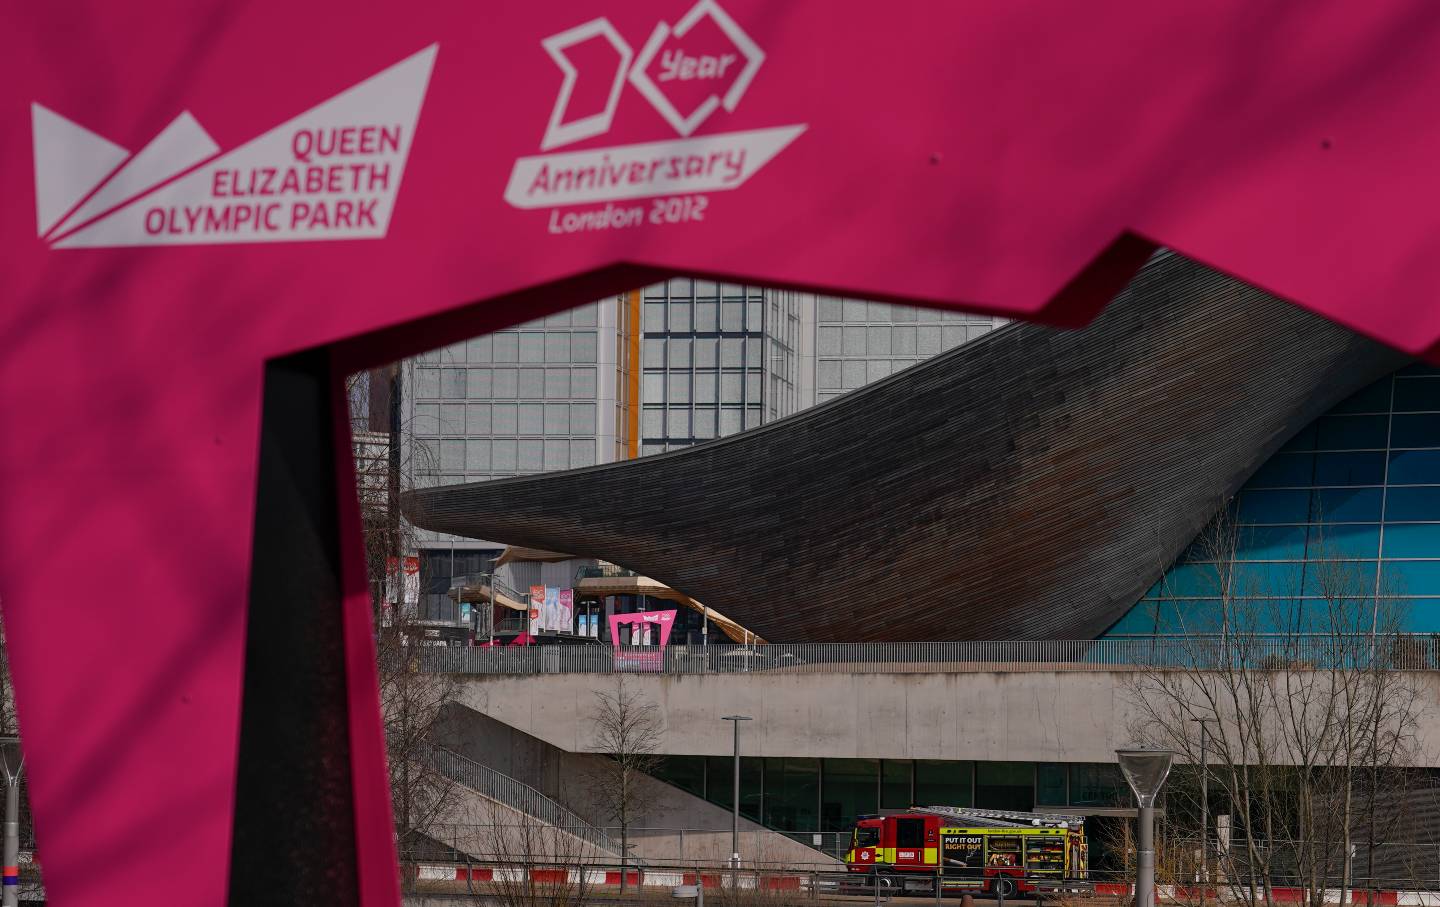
{"points": [[671, 826]]}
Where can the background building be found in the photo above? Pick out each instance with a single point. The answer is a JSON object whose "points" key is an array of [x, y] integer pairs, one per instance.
{"points": [[659, 369]]}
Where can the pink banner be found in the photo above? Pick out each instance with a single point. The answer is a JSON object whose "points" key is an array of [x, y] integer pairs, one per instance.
{"points": [[208, 187]]}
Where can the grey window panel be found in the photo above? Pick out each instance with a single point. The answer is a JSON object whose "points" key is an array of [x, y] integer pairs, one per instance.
{"points": [[532, 382], [582, 453], [854, 341], [585, 316], [707, 351], [827, 373], [477, 419], [706, 386], [582, 382], [507, 420], [477, 384], [655, 317], [902, 340], [827, 342], [679, 387], [652, 422], [829, 309], [877, 369], [654, 353], [852, 374], [477, 349], [452, 383], [954, 335], [506, 346], [506, 382], [752, 417], [655, 291], [557, 383], [427, 382], [755, 316], [705, 317], [557, 454], [752, 387], [505, 455], [558, 319], [679, 352], [454, 354], [680, 286], [429, 357], [582, 418], [427, 419], [652, 387], [530, 455], [680, 317], [732, 352], [652, 447], [877, 340], [732, 316], [677, 422], [752, 352], [928, 341], [976, 330], [855, 311], [557, 346], [732, 387], [704, 422], [582, 346], [731, 420], [732, 291], [532, 419], [452, 454], [452, 419], [477, 456], [532, 346], [879, 311], [706, 289], [557, 418]]}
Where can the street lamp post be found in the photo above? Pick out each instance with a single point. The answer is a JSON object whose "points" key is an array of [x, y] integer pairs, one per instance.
{"points": [[1204, 807], [1146, 771], [735, 814], [12, 821]]}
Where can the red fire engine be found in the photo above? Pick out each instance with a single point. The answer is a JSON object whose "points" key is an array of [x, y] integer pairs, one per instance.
{"points": [[999, 852]]}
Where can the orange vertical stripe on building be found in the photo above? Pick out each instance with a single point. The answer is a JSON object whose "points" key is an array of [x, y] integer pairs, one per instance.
{"points": [[632, 410]]}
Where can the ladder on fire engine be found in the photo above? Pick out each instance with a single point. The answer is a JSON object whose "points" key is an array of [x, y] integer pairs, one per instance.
{"points": [[1000, 818]]}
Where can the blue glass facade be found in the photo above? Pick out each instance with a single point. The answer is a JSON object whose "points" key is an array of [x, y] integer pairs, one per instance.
{"points": [[1357, 490]]}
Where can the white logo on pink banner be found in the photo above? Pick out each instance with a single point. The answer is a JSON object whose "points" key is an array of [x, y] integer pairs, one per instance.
{"points": [[332, 172], [706, 62]]}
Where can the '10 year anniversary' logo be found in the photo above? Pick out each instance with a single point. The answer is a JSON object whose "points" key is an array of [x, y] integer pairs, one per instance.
{"points": [[705, 62]]}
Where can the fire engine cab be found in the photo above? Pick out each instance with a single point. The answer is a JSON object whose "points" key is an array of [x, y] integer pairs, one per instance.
{"points": [[999, 852]]}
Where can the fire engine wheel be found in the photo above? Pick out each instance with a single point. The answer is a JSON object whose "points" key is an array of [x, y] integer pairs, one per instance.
{"points": [[1003, 886]]}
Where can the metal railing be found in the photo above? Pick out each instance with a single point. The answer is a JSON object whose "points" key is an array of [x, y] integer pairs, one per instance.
{"points": [[1404, 652], [517, 795], [485, 579]]}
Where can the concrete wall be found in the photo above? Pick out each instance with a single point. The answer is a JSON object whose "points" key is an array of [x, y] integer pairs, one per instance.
{"points": [[1057, 716], [570, 778]]}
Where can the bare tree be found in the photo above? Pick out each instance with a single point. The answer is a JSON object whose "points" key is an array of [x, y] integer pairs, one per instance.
{"points": [[1304, 710], [534, 863], [410, 699], [628, 732]]}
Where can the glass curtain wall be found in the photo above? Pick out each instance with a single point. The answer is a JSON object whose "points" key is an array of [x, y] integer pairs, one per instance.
{"points": [[1358, 487]]}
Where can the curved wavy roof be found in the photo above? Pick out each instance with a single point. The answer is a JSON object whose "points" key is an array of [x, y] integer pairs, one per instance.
{"points": [[1031, 484]]}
